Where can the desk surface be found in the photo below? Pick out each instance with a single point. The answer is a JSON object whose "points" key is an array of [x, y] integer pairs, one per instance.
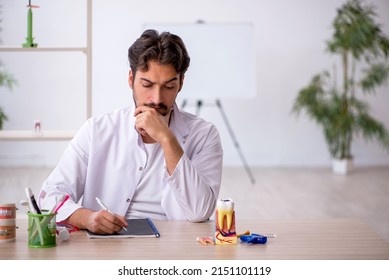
{"points": [[331, 239]]}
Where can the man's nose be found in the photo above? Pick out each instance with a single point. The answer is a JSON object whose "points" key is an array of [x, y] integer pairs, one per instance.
{"points": [[156, 95]]}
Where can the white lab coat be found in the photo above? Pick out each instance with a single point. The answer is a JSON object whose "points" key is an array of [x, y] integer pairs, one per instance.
{"points": [[106, 159]]}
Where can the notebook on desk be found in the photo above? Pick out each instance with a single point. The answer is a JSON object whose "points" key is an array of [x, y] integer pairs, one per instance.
{"points": [[135, 228]]}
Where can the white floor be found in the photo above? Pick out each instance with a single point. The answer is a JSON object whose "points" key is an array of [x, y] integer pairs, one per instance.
{"points": [[279, 193]]}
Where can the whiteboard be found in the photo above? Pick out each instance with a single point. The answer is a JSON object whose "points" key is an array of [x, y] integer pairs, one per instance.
{"points": [[223, 59]]}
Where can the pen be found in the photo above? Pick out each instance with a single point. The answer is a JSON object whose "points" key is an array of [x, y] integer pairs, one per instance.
{"points": [[31, 200], [105, 208]]}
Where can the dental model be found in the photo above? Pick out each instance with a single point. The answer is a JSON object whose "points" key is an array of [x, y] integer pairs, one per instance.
{"points": [[225, 232]]}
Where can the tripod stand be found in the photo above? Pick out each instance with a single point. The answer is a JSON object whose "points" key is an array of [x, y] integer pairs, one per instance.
{"points": [[199, 104]]}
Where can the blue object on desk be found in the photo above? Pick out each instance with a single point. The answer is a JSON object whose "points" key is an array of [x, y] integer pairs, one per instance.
{"points": [[253, 238]]}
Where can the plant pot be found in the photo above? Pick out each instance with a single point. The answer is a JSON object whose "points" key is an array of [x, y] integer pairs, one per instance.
{"points": [[342, 166]]}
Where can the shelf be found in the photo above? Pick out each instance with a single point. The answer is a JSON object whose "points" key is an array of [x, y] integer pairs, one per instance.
{"points": [[56, 135], [29, 135], [43, 49]]}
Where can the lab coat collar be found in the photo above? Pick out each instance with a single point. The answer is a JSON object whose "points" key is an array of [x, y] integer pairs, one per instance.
{"points": [[177, 124]]}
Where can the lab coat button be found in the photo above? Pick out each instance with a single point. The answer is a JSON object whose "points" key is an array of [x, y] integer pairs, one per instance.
{"points": [[140, 168], [128, 200]]}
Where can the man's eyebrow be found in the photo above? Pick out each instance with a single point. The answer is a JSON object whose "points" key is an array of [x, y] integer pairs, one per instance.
{"points": [[168, 81], [146, 80], [171, 80]]}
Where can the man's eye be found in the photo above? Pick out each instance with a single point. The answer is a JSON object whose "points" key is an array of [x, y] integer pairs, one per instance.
{"points": [[147, 85], [169, 87]]}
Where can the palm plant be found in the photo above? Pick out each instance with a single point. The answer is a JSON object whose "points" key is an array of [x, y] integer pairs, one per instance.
{"points": [[358, 41]]}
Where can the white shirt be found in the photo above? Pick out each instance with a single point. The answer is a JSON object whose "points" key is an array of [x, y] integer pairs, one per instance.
{"points": [[107, 159], [146, 202]]}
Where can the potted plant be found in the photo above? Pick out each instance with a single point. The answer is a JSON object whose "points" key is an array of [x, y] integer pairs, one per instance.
{"points": [[363, 51]]}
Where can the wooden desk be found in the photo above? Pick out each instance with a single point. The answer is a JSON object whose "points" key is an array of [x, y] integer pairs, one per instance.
{"points": [[334, 239]]}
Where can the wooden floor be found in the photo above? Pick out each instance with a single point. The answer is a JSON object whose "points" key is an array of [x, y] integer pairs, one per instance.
{"points": [[279, 193]]}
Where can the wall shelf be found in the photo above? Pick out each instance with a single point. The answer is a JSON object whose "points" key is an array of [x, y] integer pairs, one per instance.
{"points": [[43, 49], [30, 135], [56, 135]]}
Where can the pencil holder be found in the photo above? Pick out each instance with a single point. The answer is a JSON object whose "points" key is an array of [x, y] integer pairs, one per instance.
{"points": [[41, 230]]}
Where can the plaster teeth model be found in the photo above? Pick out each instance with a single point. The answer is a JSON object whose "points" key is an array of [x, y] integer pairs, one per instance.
{"points": [[225, 208]]}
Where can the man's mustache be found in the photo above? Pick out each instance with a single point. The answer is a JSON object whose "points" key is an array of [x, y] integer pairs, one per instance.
{"points": [[159, 106]]}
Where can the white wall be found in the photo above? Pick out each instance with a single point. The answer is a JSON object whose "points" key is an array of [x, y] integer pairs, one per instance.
{"points": [[290, 43]]}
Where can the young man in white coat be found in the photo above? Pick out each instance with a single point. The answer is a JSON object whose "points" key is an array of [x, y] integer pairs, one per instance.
{"points": [[147, 160]]}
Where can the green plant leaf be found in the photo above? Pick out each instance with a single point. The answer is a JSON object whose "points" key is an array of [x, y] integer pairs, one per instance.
{"points": [[7, 80], [3, 117], [375, 76]]}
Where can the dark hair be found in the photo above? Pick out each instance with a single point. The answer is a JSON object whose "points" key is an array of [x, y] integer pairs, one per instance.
{"points": [[164, 48]]}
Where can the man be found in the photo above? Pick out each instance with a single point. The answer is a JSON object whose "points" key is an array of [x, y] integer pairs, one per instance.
{"points": [[149, 161]]}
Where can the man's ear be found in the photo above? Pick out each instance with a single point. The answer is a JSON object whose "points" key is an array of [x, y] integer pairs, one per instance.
{"points": [[131, 79]]}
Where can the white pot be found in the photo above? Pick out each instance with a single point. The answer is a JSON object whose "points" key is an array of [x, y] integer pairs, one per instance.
{"points": [[342, 166]]}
